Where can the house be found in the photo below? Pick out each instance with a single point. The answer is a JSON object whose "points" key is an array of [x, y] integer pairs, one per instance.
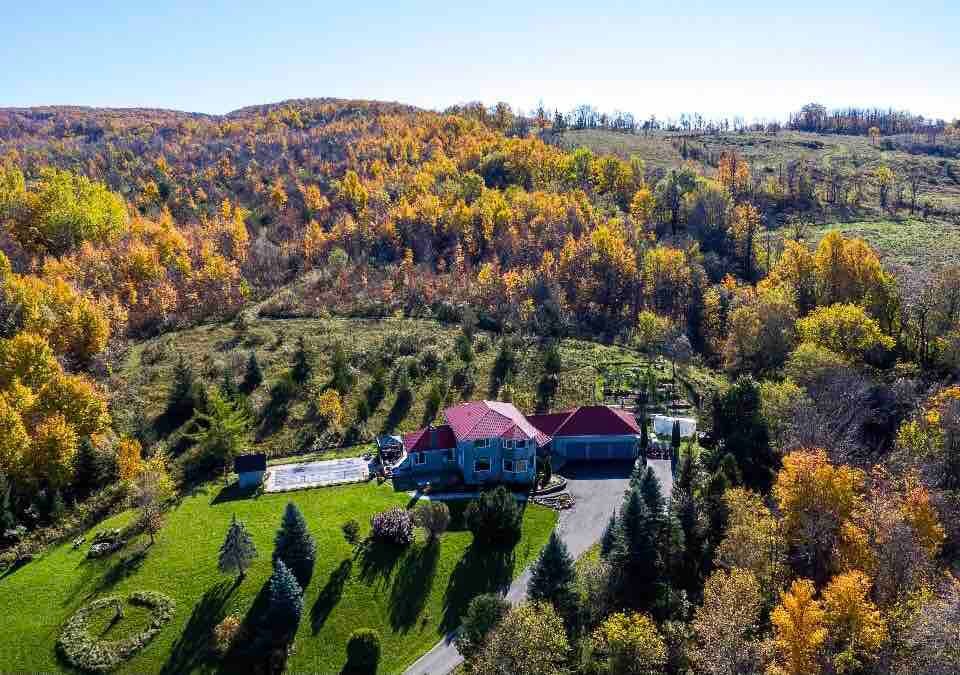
{"points": [[250, 469], [593, 432], [487, 442]]}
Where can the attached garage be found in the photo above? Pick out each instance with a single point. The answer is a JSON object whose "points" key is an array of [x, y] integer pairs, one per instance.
{"points": [[591, 433], [596, 449]]}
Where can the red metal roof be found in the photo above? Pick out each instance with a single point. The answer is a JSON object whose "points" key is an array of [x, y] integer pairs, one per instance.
{"points": [[597, 420], [430, 438], [490, 419], [548, 423]]}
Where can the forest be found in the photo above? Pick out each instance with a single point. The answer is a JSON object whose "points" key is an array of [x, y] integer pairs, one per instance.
{"points": [[814, 528]]}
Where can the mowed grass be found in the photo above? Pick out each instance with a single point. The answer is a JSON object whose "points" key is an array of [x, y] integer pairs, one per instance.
{"points": [[411, 598]]}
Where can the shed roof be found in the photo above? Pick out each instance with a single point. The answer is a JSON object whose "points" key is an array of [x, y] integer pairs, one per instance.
{"points": [[430, 438], [256, 461]]}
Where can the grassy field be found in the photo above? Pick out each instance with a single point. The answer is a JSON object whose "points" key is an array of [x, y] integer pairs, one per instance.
{"points": [[910, 243], [767, 152], [411, 598], [217, 348]]}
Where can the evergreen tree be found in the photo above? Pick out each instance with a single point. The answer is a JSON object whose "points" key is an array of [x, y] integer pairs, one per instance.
{"points": [[228, 386], [253, 376], [644, 439], [609, 538], [294, 545], [238, 551], [180, 400], [342, 379], [221, 432], [302, 368], [635, 554], [8, 519], [553, 575], [286, 602], [652, 492], [377, 389], [742, 431], [675, 445]]}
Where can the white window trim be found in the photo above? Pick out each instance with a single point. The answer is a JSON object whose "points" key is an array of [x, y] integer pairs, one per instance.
{"points": [[520, 466], [482, 459], [508, 444], [481, 443], [510, 470], [419, 458]]}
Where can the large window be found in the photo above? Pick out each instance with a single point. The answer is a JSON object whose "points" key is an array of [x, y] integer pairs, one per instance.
{"points": [[515, 465], [419, 458], [521, 444], [481, 443], [481, 464], [508, 444]]}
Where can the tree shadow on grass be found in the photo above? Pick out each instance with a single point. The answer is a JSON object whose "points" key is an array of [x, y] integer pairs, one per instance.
{"points": [[330, 595], [124, 567], [190, 650], [252, 652], [480, 570], [412, 585], [377, 562]]}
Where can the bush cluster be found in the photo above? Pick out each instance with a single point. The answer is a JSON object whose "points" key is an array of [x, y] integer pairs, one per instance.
{"points": [[83, 650], [363, 651], [495, 518], [393, 526]]}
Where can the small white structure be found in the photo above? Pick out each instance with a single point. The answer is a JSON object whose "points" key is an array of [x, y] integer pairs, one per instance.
{"points": [[663, 425]]}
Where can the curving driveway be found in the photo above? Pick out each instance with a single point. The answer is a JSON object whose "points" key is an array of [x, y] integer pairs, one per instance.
{"points": [[598, 490]]}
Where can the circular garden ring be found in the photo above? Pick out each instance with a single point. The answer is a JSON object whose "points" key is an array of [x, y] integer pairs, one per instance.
{"points": [[84, 651]]}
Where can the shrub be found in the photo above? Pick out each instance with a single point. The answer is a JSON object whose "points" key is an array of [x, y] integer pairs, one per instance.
{"points": [[83, 650], [351, 532], [495, 518], [434, 517], [225, 634], [483, 613], [393, 526], [363, 651]]}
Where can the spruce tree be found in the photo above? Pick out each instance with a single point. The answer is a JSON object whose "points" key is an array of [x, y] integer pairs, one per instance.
{"points": [[553, 574], [652, 493], [228, 386], [635, 553], [253, 376], [302, 368], [342, 379], [181, 399], [238, 550], [286, 602], [609, 538], [294, 545]]}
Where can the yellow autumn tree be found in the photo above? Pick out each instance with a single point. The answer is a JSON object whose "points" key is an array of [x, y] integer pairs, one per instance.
{"points": [[855, 625], [52, 450], [816, 498], [799, 631], [844, 329], [14, 440], [129, 458]]}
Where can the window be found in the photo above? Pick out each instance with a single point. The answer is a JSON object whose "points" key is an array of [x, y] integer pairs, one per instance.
{"points": [[481, 443], [448, 455], [515, 465], [508, 444], [419, 458], [481, 464], [521, 444]]}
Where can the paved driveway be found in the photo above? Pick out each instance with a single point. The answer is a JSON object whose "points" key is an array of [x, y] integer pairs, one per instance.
{"points": [[598, 490], [285, 477]]}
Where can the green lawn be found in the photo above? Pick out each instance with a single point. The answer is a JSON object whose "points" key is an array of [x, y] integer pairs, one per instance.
{"points": [[910, 242], [411, 598]]}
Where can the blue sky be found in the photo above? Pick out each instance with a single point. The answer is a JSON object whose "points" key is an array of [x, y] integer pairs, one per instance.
{"points": [[719, 59]]}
